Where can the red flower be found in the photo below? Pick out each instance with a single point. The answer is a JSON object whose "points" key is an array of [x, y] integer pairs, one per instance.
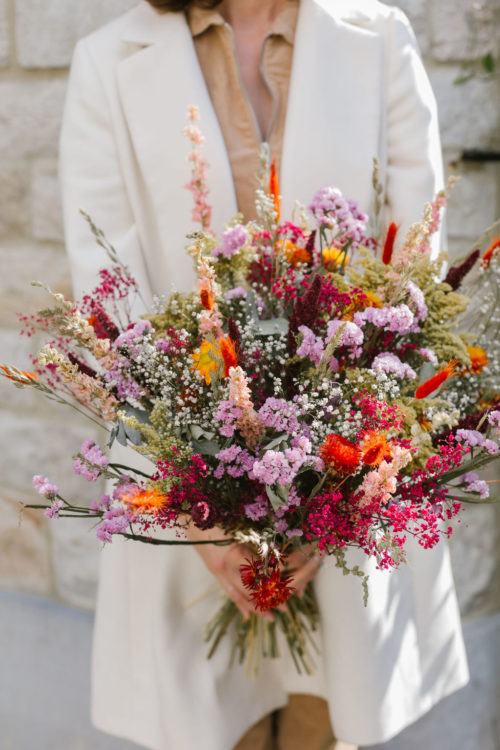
{"points": [[269, 588], [438, 379], [228, 351], [274, 188], [389, 243], [340, 453]]}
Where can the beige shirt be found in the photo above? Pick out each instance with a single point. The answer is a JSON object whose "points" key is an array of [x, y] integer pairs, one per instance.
{"points": [[213, 40]]}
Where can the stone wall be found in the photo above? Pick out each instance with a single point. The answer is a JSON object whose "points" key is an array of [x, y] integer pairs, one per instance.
{"points": [[36, 39]]}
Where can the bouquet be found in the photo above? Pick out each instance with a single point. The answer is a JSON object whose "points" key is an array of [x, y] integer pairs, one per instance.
{"points": [[318, 388]]}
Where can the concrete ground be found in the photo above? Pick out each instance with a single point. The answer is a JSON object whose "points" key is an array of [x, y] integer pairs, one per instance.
{"points": [[44, 686]]}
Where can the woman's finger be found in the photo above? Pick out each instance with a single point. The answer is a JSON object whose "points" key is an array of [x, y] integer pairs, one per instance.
{"points": [[301, 576]]}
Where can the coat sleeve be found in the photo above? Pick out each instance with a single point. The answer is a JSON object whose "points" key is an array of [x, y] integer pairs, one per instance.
{"points": [[414, 159], [91, 179]]}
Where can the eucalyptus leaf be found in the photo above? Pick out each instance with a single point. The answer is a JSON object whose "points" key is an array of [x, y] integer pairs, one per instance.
{"points": [[276, 441], [196, 432], [206, 448], [279, 498], [476, 500]]}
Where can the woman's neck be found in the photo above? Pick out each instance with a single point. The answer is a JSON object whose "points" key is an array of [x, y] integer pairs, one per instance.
{"points": [[250, 13]]}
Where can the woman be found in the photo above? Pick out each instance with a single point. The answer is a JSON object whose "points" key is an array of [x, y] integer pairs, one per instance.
{"points": [[348, 77]]}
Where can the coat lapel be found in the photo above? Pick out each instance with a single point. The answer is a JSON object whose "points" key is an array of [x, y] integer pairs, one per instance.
{"points": [[333, 125], [157, 83]]}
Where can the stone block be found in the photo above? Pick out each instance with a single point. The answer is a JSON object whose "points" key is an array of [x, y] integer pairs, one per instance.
{"points": [[47, 30], [24, 554], [20, 266], [417, 13], [15, 351], [46, 201], [4, 35], [473, 202], [469, 114], [30, 116], [13, 198], [463, 30], [36, 445], [75, 552]]}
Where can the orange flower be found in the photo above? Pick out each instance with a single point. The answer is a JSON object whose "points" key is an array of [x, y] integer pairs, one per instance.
{"points": [[486, 259], [206, 297], [478, 359], [340, 453], [374, 448], [424, 423], [18, 377], [432, 384], [295, 254], [228, 351], [144, 500], [207, 360], [93, 321], [274, 188], [389, 243], [333, 256]]}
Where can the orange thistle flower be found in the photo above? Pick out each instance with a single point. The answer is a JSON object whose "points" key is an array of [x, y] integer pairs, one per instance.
{"points": [[207, 360], [340, 453], [433, 383], [18, 377], [389, 243], [228, 351], [274, 188], [486, 259], [93, 321], [144, 500], [295, 254], [478, 359], [374, 448]]}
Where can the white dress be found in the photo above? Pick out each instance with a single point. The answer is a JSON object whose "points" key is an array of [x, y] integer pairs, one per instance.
{"points": [[357, 90]]}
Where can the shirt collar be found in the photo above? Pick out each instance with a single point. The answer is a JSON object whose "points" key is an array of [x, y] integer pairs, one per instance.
{"points": [[200, 19]]}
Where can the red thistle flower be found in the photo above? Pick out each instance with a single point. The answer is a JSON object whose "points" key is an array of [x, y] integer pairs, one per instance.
{"points": [[269, 589], [389, 243], [340, 453], [228, 351]]}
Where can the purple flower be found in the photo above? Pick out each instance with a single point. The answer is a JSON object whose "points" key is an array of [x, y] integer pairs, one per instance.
{"points": [[53, 511], [476, 485], [494, 418], [311, 346], [236, 292], [390, 363], [418, 300], [429, 355], [333, 211], [280, 415], [352, 336], [44, 487], [472, 438], [257, 509], [228, 414], [90, 461], [231, 241], [132, 334], [102, 504], [281, 525], [116, 521], [399, 319], [294, 532]]}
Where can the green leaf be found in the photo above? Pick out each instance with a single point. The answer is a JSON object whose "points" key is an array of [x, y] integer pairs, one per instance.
{"points": [[206, 448], [488, 63], [272, 327], [277, 498], [276, 441]]}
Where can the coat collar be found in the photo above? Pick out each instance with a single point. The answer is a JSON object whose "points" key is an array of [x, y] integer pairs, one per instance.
{"points": [[144, 25]]}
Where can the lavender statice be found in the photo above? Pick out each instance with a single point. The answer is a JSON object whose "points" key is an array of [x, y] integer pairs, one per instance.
{"points": [[231, 241], [398, 319], [44, 487], [311, 346], [90, 461], [116, 520], [332, 211], [474, 484], [53, 511], [280, 415], [417, 300], [390, 363]]}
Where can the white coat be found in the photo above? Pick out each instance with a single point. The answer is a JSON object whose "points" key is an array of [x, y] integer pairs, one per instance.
{"points": [[358, 90]]}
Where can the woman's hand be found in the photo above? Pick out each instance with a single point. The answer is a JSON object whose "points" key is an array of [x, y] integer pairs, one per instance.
{"points": [[224, 563], [302, 564]]}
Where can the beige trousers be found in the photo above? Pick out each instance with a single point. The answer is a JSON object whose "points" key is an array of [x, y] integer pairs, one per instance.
{"points": [[303, 724]]}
